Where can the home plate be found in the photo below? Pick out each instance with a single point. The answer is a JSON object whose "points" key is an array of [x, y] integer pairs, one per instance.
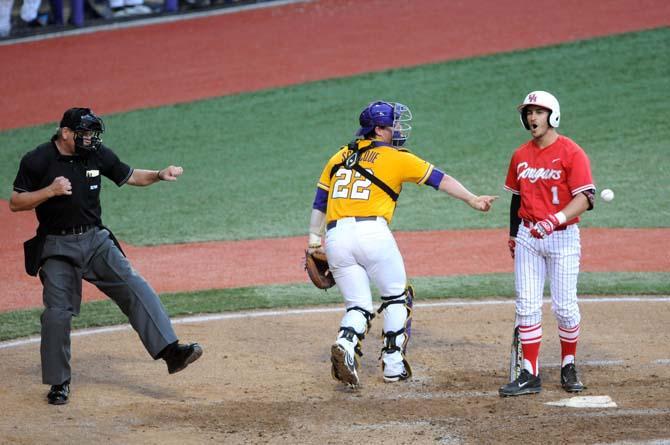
{"points": [[586, 402]]}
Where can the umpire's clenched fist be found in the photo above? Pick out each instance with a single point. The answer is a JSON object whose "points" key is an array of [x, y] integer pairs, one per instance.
{"points": [[61, 186]]}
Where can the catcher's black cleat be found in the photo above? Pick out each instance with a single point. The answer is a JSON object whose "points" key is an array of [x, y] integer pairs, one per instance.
{"points": [[569, 380], [343, 365], [59, 394], [179, 356], [527, 383]]}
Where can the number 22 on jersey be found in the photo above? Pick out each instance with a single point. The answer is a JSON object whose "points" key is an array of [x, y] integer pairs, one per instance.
{"points": [[350, 184]]}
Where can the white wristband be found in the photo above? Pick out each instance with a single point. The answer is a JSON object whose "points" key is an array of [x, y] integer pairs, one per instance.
{"points": [[560, 216], [314, 239]]}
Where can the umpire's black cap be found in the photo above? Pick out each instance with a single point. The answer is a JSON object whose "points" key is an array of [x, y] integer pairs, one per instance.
{"points": [[72, 117], [78, 118]]}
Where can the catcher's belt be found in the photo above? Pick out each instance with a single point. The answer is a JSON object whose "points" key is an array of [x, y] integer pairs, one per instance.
{"points": [[332, 224]]}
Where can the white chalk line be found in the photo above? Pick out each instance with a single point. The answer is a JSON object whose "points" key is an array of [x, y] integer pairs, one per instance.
{"points": [[288, 312]]}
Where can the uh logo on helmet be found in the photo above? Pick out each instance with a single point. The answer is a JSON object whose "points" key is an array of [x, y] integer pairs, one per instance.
{"points": [[544, 100], [386, 114], [87, 127]]}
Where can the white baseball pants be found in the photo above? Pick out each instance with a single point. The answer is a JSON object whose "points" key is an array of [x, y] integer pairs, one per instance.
{"points": [[360, 252], [556, 257]]}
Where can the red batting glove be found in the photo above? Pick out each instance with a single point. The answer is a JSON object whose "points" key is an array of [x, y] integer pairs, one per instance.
{"points": [[544, 228], [511, 243]]}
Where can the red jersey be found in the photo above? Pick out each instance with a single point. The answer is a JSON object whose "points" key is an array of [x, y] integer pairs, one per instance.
{"points": [[548, 178]]}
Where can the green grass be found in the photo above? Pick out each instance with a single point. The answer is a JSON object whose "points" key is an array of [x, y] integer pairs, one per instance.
{"points": [[252, 160], [103, 313]]}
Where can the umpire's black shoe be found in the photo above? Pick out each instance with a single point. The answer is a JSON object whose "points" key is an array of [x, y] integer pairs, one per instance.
{"points": [[527, 383], [569, 380], [59, 394], [179, 356]]}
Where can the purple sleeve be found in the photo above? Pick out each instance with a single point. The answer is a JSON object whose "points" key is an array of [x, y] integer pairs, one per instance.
{"points": [[435, 178], [320, 200]]}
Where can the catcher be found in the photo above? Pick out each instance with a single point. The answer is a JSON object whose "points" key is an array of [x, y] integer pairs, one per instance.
{"points": [[355, 199]]}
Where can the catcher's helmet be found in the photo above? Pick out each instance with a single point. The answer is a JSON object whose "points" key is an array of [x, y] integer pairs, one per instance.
{"points": [[544, 100], [81, 120], [386, 114]]}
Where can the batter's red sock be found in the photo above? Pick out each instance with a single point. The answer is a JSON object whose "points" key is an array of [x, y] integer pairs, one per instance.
{"points": [[531, 338], [569, 338]]}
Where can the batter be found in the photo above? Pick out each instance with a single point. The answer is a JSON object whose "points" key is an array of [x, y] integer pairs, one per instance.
{"points": [[551, 184]]}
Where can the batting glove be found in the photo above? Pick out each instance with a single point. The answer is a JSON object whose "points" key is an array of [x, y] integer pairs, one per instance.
{"points": [[511, 243], [544, 228]]}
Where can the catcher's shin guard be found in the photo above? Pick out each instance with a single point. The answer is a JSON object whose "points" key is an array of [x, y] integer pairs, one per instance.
{"points": [[394, 363], [358, 319], [396, 333]]}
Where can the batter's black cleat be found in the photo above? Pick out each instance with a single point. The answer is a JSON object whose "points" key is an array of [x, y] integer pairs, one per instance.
{"points": [[59, 394], [569, 380], [343, 365], [527, 383], [179, 356]]}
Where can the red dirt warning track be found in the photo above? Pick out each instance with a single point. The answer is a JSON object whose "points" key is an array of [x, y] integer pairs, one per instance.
{"points": [[216, 265]]}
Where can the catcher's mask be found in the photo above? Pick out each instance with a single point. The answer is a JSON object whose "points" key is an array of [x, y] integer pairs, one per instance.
{"points": [[386, 114], [544, 100], [87, 127]]}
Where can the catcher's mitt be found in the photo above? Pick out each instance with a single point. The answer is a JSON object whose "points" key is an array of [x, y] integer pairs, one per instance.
{"points": [[316, 266]]}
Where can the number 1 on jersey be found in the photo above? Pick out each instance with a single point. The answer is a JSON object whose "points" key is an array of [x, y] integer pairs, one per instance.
{"points": [[554, 194]]}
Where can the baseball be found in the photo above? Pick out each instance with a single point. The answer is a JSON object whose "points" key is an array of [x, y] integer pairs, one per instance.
{"points": [[607, 195]]}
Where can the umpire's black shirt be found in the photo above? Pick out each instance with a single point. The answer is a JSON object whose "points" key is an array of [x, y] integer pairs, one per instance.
{"points": [[41, 166]]}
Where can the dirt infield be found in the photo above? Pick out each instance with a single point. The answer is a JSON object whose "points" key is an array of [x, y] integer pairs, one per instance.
{"points": [[266, 379]]}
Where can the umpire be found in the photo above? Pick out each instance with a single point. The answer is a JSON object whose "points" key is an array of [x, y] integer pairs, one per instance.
{"points": [[61, 180]]}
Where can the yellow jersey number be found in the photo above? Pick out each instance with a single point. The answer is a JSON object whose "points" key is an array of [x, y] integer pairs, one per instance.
{"points": [[351, 184]]}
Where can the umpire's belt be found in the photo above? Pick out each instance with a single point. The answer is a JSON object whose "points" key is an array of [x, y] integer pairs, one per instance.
{"points": [[332, 224], [530, 225], [74, 230]]}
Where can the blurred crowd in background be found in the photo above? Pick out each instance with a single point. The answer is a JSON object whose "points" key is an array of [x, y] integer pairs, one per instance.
{"points": [[22, 18]]}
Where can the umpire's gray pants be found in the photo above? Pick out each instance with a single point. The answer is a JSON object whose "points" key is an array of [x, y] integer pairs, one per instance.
{"points": [[93, 257]]}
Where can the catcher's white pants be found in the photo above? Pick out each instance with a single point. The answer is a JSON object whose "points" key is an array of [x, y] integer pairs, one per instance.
{"points": [[363, 251], [557, 257], [360, 252]]}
